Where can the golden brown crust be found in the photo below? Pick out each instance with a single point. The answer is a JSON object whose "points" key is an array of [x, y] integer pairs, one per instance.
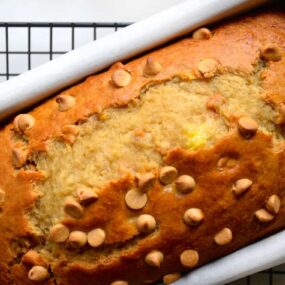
{"points": [[236, 47]]}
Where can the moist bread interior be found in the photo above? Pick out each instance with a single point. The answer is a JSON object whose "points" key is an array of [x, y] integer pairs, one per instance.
{"points": [[135, 138]]}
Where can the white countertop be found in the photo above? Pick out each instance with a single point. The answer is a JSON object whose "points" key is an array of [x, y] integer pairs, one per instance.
{"points": [[80, 10]]}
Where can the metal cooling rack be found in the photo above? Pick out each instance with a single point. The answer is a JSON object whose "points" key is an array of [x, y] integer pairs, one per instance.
{"points": [[26, 45], [9, 49]]}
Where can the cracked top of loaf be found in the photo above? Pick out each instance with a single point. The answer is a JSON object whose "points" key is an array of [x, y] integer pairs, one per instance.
{"points": [[152, 168]]}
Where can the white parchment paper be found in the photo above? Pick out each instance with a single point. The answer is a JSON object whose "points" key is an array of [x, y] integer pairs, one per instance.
{"points": [[261, 255], [42, 81]]}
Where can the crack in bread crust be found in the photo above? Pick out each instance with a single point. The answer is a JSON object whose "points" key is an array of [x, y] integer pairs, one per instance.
{"points": [[135, 138]]}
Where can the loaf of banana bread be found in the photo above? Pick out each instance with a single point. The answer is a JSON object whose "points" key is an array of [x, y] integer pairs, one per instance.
{"points": [[152, 168]]}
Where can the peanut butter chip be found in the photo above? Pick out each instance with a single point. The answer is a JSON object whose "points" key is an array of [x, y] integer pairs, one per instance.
{"points": [[208, 67], [193, 216], [59, 233], [273, 204], [154, 258], [247, 126], [170, 278], [202, 34], [96, 237], [70, 132], [135, 200], [223, 237], [152, 67], [2, 197], [146, 223], [23, 122], [121, 78], [241, 186], [73, 208], [215, 101], [185, 184], [189, 258], [86, 195], [167, 174], [19, 157], [271, 52], [145, 181], [226, 163], [120, 283], [263, 216], [65, 102], [31, 258], [38, 273], [77, 239], [70, 129]]}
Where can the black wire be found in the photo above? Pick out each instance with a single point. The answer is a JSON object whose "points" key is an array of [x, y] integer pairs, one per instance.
{"points": [[64, 25], [72, 36], [95, 32], [50, 41], [270, 277], [29, 47], [7, 50], [34, 52]]}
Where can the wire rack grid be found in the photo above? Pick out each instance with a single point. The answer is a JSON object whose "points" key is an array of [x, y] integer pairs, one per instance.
{"points": [[23, 43], [24, 46]]}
